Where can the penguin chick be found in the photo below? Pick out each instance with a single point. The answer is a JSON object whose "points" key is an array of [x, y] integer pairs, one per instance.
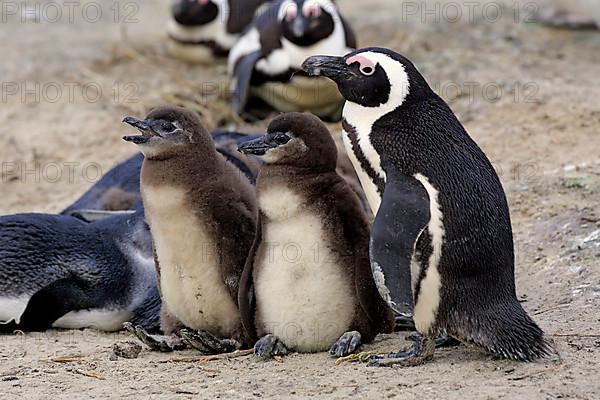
{"points": [[202, 216], [442, 237], [265, 63], [201, 31], [57, 271], [307, 285]]}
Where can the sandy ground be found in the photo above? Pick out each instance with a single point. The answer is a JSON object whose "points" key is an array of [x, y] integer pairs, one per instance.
{"points": [[527, 94]]}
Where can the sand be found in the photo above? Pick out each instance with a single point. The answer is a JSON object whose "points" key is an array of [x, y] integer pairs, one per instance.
{"points": [[527, 94]]}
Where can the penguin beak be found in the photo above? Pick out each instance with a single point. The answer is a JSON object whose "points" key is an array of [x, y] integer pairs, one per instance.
{"points": [[299, 27], [260, 146], [143, 127], [334, 68]]}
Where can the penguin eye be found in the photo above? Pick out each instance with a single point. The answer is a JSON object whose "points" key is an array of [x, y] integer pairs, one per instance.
{"points": [[281, 138], [367, 70], [165, 127]]}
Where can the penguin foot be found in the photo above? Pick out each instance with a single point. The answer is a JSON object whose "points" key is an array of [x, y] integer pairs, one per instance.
{"points": [[421, 352], [442, 340], [162, 343], [346, 344], [269, 346], [208, 343]]}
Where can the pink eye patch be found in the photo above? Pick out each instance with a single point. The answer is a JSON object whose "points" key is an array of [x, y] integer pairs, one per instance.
{"points": [[291, 13], [366, 66], [312, 11], [202, 2]]}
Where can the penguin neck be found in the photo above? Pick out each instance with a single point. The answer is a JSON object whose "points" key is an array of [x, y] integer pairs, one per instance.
{"points": [[185, 166], [311, 181]]}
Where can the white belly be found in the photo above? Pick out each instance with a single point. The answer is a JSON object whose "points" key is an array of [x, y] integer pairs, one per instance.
{"points": [[11, 308], [302, 294], [192, 286], [371, 193], [317, 95]]}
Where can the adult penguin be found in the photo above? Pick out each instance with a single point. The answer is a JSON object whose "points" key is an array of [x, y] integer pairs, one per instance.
{"points": [[202, 31], [265, 63], [65, 272], [442, 237]]}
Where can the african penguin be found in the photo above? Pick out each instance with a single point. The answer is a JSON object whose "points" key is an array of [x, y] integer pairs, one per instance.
{"points": [[119, 188], [202, 216], [307, 285], [59, 271], [442, 229], [265, 63], [203, 30]]}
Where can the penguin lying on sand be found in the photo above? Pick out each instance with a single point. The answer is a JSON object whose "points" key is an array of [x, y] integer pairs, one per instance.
{"points": [[442, 235], [265, 62], [307, 285], [202, 215], [119, 188], [59, 271], [202, 30]]}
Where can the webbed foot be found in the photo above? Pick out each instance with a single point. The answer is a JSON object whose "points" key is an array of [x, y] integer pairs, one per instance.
{"points": [[161, 343], [269, 346], [421, 352], [346, 344], [208, 343], [443, 340]]}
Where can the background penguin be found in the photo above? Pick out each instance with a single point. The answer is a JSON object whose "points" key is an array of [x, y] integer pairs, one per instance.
{"points": [[202, 216], [442, 216], [201, 30], [571, 14], [265, 62], [119, 188], [59, 271], [319, 295]]}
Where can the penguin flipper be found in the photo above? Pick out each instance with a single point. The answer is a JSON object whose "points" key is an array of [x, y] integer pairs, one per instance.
{"points": [[378, 313], [52, 302], [246, 297], [96, 215], [403, 215], [243, 76]]}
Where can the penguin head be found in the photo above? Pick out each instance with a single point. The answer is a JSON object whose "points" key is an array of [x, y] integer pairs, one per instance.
{"points": [[194, 12], [167, 129], [372, 77], [305, 22], [295, 139]]}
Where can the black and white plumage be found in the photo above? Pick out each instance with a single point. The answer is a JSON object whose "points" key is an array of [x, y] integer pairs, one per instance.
{"points": [[442, 230], [265, 63], [202, 30], [63, 272]]}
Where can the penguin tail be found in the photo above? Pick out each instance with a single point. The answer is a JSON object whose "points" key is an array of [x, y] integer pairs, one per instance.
{"points": [[508, 332]]}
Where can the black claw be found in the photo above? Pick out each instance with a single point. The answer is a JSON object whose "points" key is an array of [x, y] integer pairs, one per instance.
{"points": [[269, 346], [206, 342], [165, 344], [421, 351], [346, 344]]}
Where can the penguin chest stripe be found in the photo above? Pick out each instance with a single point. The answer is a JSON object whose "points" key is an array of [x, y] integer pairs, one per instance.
{"points": [[428, 299], [191, 282], [302, 294]]}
